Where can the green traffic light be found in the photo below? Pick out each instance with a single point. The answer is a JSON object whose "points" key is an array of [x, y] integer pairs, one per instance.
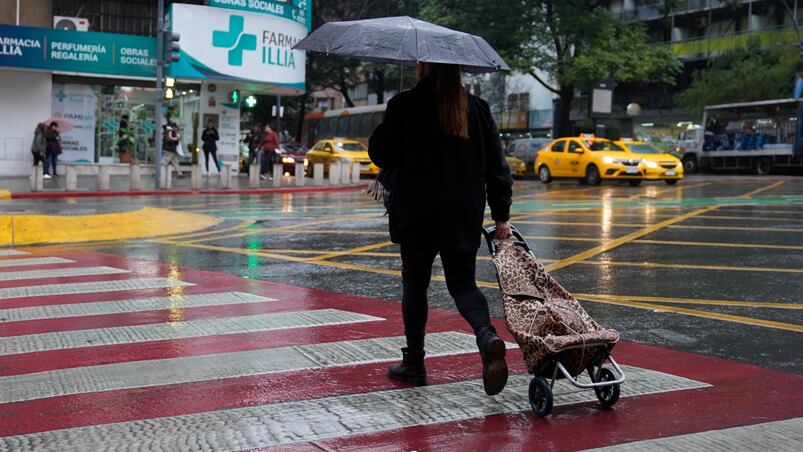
{"points": [[234, 96]]}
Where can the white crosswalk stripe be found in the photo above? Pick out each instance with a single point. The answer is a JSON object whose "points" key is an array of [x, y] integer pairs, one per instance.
{"points": [[60, 273], [138, 374], [317, 419], [43, 290], [31, 343], [130, 305], [13, 253], [34, 261]]}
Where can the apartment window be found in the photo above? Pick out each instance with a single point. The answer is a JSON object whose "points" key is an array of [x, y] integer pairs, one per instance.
{"points": [[518, 102]]}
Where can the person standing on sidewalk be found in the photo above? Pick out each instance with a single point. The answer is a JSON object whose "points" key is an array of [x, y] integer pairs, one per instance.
{"points": [[170, 147], [52, 150], [438, 129], [268, 146], [39, 144], [210, 138]]}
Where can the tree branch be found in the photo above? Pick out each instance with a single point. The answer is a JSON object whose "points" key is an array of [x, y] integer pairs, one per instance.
{"points": [[542, 82]]}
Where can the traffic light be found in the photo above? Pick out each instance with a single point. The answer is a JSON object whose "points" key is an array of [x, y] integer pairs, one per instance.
{"points": [[234, 96], [172, 47], [170, 93], [251, 101]]}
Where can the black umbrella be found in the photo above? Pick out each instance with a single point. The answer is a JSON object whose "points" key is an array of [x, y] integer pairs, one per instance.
{"points": [[404, 40]]}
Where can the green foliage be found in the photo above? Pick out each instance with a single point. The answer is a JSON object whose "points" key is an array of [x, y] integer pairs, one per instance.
{"points": [[744, 75]]}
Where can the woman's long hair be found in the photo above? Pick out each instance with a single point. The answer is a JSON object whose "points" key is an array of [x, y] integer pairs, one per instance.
{"points": [[452, 99]]}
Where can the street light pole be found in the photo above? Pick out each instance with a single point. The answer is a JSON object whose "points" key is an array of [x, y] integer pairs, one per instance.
{"points": [[160, 61]]}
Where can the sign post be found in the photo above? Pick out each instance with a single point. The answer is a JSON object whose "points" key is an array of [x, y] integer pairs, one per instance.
{"points": [[157, 130]]}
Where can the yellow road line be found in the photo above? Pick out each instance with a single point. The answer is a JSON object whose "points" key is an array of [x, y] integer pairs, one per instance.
{"points": [[241, 225], [607, 246], [5, 194], [761, 190], [748, 218], [720, 244], [696, 301], [735, 228], [691, 266], [676, 190], [351, 251], [704, 314], [570, 223], [759, 210]]}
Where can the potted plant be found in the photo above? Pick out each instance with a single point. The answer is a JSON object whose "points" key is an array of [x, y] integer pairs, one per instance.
{"points": [[126, 139]]}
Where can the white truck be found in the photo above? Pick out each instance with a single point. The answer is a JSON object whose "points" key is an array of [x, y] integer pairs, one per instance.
{"points": [[757, 136]]}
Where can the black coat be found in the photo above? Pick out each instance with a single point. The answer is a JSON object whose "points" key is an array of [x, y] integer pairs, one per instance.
{"points": [[210, 138], [441, 181]]}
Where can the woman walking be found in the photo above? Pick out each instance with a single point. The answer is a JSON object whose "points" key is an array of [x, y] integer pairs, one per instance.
{"points": [[39, 144], [52, 150], [438, 130], [210, 138]]}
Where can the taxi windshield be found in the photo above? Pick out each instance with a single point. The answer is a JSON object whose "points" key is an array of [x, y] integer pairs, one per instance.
{"points": [[644, 148], [597, 145], [350, 147]]}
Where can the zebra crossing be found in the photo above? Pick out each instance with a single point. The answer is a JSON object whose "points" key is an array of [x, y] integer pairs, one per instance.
{"points": [[168, 360]]}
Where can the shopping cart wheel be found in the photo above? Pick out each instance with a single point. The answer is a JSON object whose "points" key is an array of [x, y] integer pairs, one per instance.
{"points": [[607, 395], [541, 396]]}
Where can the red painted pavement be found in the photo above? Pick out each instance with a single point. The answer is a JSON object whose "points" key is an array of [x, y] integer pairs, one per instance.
{"points": [[741, 394]]}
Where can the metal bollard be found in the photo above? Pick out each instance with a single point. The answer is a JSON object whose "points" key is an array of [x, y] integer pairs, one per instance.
{"points": [[317, 174], [253, 176], [195, 177], [72, 177], [355, 173], [345, 172], [103, 178], [301, 178], [334, 173], [225, 175], [167, 177], [278, 171], [134, 176]]}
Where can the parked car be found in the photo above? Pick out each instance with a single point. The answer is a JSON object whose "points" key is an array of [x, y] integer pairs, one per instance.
{"points": [[517, 166], [526, 149], [340, 149], [291, 154], [588, 159], [655, 163]]}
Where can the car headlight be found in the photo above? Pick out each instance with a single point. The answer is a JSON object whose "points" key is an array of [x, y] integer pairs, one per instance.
{"points": [[650, 164], [608, 160], [288, 160], [306, 162]]}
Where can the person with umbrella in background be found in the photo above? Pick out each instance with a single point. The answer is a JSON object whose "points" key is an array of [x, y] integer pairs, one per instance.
{"points": [[52, 150], [442, 214]]}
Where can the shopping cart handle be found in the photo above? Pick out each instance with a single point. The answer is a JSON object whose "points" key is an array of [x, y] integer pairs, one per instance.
{"points": [[490, 231]]}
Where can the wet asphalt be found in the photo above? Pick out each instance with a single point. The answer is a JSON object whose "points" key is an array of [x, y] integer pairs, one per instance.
{"points": [[706, 280]]}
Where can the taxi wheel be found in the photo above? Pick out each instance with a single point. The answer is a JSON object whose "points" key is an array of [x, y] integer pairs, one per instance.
{"points": [[592, 175], [671, 181], [544, 175], [634, 182]]}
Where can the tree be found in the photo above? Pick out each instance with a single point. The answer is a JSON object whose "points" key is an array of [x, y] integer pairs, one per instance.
{"points": [[579, 43], [744, 75]]}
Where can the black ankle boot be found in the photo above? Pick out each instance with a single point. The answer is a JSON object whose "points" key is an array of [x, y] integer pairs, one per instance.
{"points": [[494, 367], [411, 369]]}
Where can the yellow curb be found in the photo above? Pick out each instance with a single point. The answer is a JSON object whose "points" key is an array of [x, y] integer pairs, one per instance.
{"points": [[5, 194], [143, 223]]}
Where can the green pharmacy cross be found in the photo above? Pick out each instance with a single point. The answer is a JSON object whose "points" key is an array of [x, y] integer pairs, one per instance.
{"points": [[235, 40]]}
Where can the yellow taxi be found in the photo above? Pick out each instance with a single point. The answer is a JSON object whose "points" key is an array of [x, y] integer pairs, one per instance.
{"points": [[341, 150], [655, 163], [589, 159], [517, 166]]}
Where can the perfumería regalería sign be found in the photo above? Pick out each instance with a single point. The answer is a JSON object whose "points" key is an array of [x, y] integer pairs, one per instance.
{"points": [[227, 44]]}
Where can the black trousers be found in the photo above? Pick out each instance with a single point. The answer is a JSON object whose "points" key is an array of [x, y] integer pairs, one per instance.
{"points": [[214, 158], [459, 268]]}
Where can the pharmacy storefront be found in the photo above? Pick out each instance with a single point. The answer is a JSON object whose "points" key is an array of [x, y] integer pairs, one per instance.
{"points": [[100, 86]]}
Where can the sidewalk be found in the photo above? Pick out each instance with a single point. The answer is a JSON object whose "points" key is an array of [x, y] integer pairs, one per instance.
{"points": [[20, 187]]}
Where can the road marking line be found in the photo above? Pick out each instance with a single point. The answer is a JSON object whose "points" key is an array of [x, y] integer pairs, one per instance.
{"points": [[687, 266], [31, 343], [736, 228], [90, 287], [697, 313], [720, 244], [59, 273], [599, 224], [351, 251], [676, 190], [761, 190], [607, 246], [169, 371], [749, 304], [749, 218], [328, 417], [241, 225], [126, 306], [34, 261], [12, 252], [786, 435]]}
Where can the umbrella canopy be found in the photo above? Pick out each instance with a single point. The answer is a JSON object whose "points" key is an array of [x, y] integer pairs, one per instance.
{"points": [[404, 40], [64, 125]]}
